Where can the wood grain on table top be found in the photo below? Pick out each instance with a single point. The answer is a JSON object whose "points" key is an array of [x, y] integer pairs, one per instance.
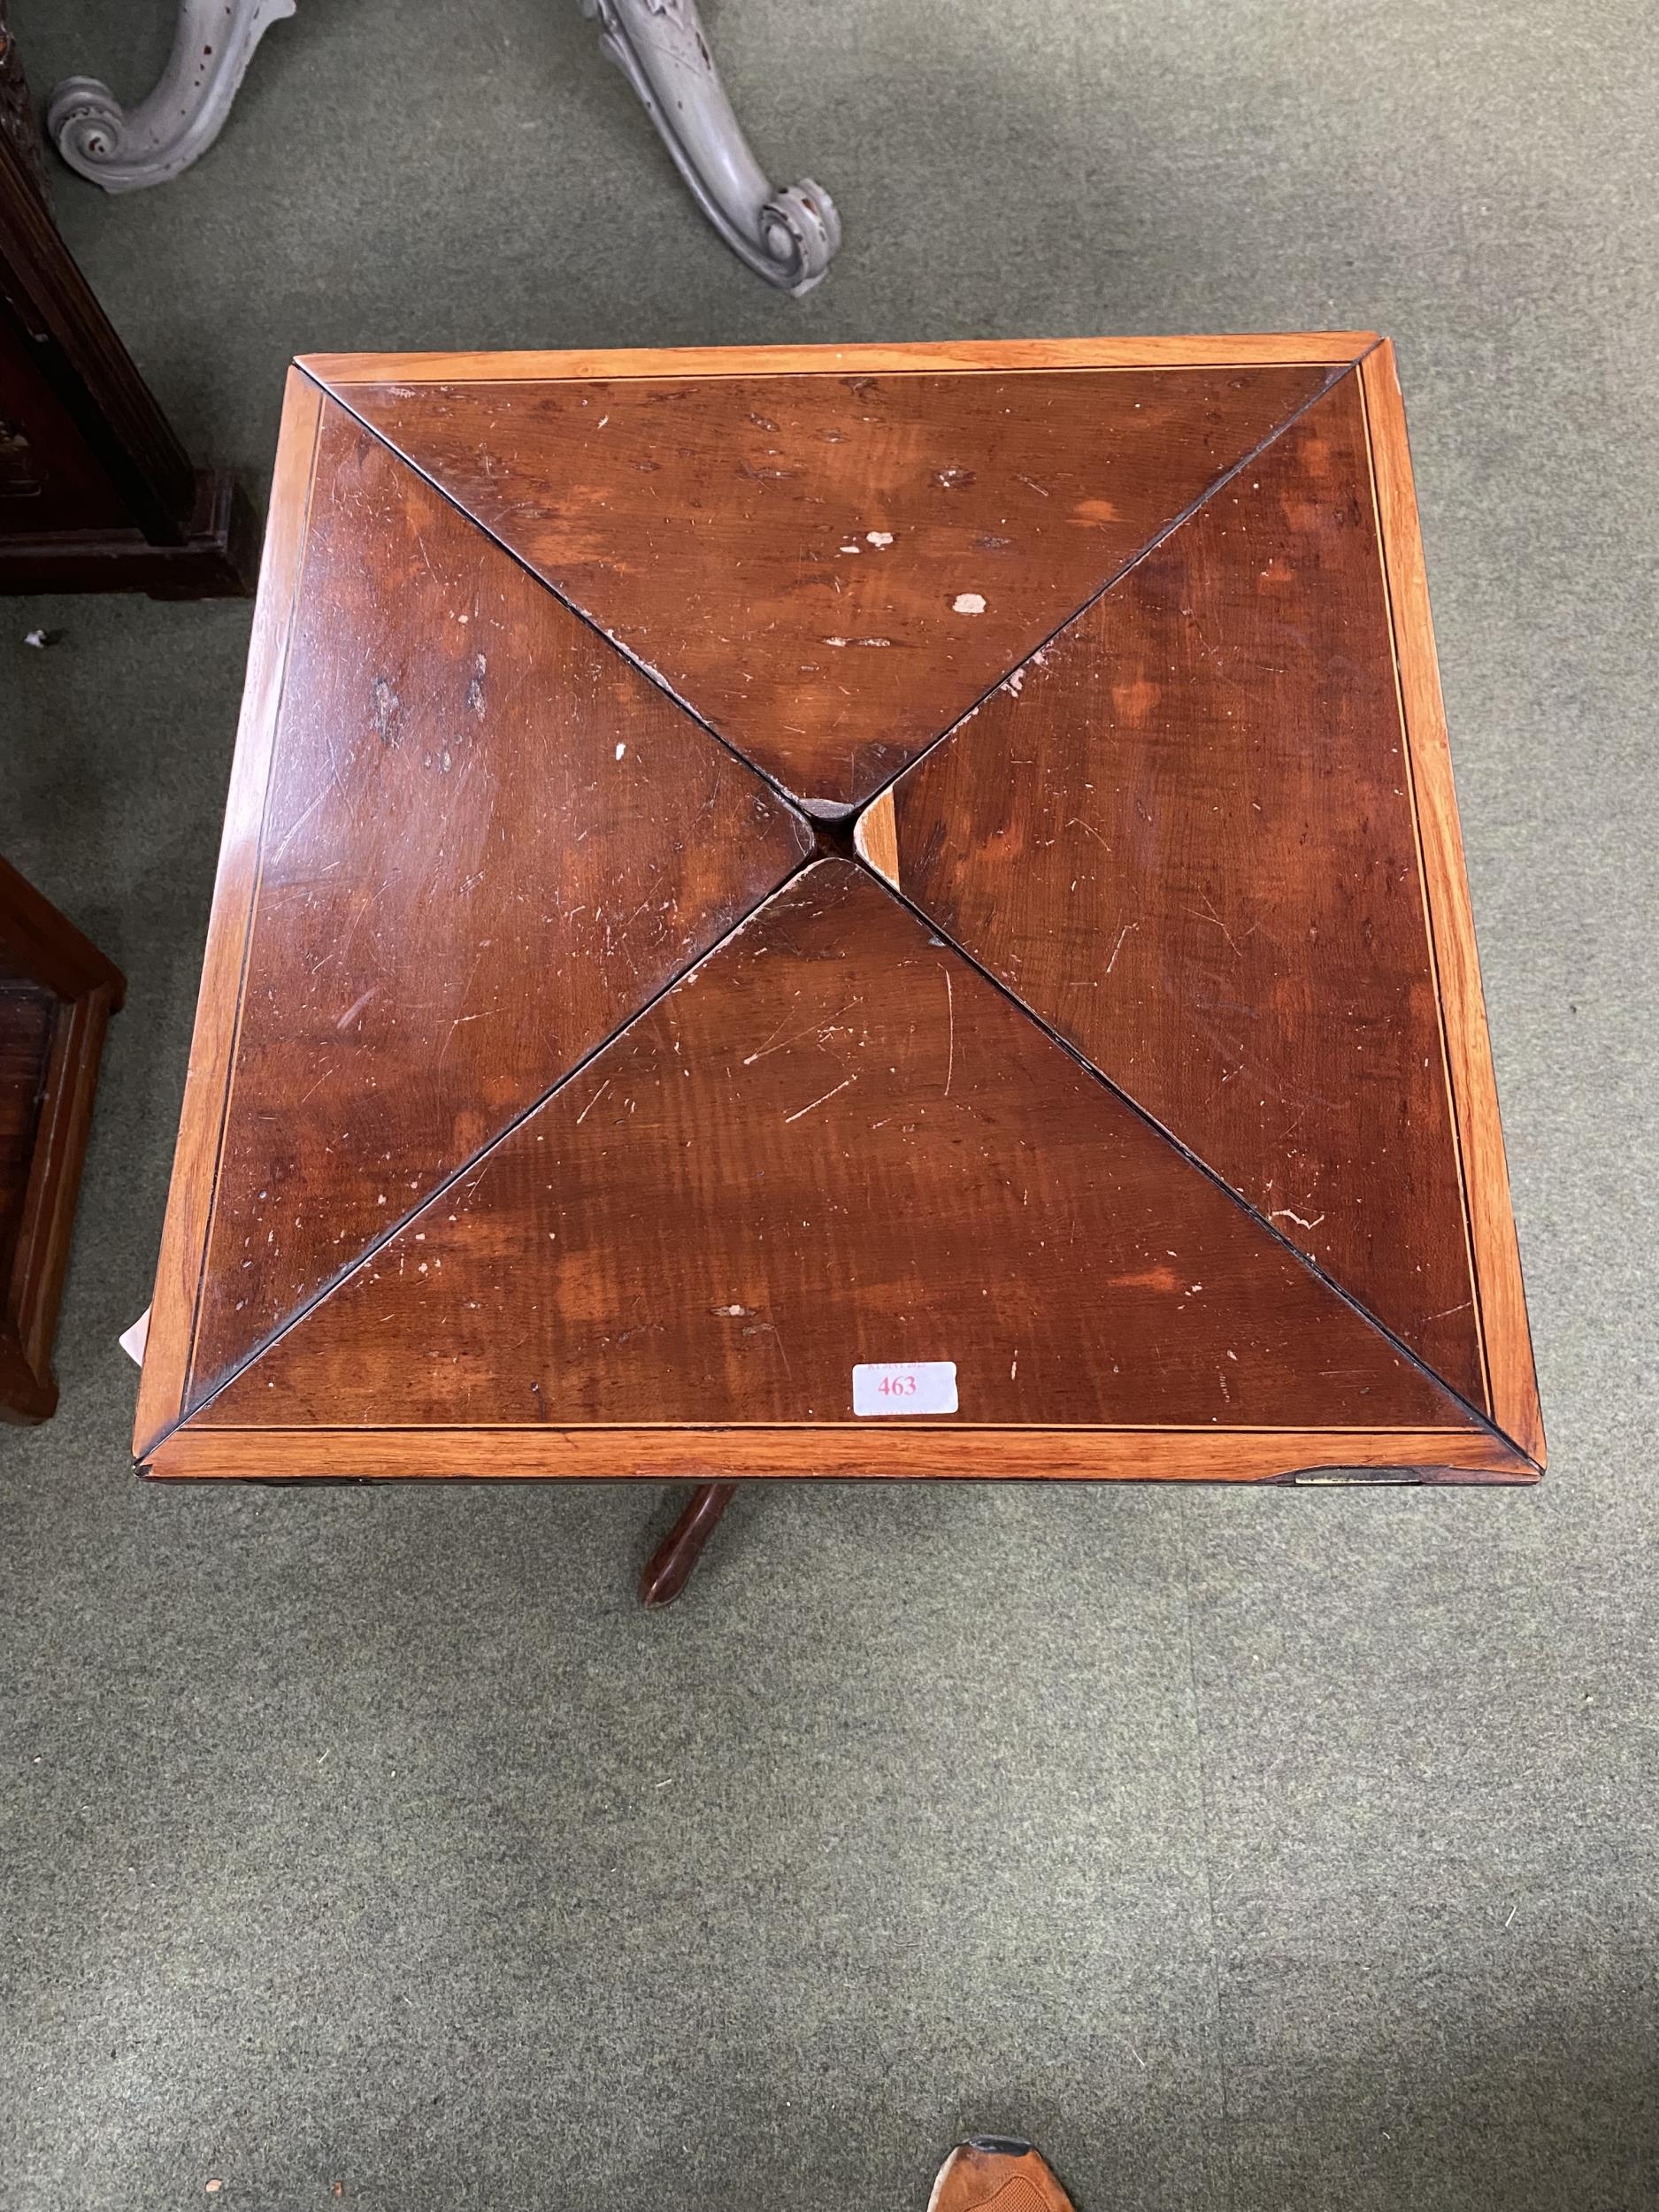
{"points": [[1512, 1376], [488, 840], [835, 1141], [163, 1382], [1184, 835], [548, 1113], [830, 570]]}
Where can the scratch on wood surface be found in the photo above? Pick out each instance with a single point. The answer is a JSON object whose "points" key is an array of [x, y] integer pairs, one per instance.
{"points": [[828, 1095], [294, 827], [1119, 946], [592, 1101], [950, 1034], [771, 1328], [818, 1028], [1210, 915]]}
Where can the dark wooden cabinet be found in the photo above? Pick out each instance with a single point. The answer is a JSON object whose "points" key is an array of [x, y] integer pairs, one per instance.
{"points": [[57, 995], [97, 492]]}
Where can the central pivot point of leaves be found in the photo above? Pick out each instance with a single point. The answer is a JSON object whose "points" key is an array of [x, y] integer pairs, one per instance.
{"points": [[833, 840]]}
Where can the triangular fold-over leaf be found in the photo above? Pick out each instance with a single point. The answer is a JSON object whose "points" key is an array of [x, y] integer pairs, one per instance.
{"points": [[830, 569], [833, 1142], [446, 720], [1184, 835]]}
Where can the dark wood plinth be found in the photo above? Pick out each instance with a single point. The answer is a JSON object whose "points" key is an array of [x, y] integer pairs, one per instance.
{"points": [[215, 558], [97, 492]]}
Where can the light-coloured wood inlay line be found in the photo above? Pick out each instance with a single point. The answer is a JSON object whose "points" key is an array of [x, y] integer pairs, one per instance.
{"points": [[874, 1450], [1514, 1407], [189, 1202], [1314, 347]]}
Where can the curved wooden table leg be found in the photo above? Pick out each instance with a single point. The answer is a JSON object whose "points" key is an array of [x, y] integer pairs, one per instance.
{"points": [[999, 2170], [680, 1549]]}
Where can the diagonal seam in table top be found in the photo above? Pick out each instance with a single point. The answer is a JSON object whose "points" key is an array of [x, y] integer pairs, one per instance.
{"points": [[1084, 788], [362, 1071]]}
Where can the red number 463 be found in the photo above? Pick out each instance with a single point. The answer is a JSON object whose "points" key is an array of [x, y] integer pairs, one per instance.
{"points": [[898, 1385]]}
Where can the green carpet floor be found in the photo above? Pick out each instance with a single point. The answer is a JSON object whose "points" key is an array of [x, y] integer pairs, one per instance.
{"points": [[1254, 1851]]}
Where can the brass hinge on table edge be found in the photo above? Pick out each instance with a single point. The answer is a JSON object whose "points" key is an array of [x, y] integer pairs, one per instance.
{"points": [[1352, 1478]]}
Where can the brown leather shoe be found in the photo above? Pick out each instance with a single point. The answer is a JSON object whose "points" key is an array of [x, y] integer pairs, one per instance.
{"points": [[1000, 2171]]}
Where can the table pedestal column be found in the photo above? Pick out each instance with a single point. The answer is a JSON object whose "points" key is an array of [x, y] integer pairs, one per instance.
{"points": [[680, 1549]]}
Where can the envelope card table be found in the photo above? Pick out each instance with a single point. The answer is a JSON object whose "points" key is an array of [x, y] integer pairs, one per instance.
{"points": [[868, 912]]}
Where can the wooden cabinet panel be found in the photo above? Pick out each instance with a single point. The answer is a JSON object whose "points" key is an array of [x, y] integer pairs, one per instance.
{"points": [[50, 484], [28, 1017], [97, 494], [57, 995]]}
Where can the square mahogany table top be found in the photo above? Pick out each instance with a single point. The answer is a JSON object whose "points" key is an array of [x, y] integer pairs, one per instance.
{"points": [[745, 866]]}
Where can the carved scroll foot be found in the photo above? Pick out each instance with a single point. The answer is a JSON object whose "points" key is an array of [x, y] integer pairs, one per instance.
{"points": [[123, 149], [788, 237]]}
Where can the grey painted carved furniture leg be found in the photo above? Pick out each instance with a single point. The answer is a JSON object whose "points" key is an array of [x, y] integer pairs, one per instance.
{"points": [[122, 148], [788, 237]]}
